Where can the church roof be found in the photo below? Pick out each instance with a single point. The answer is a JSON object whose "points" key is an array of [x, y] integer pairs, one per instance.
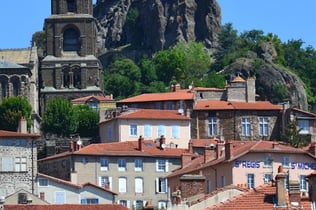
{"points": [[19, 56], [4, 64]]}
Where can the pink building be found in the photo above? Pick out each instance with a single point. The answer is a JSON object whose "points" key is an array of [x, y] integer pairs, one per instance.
{"points": [[245, 164]]}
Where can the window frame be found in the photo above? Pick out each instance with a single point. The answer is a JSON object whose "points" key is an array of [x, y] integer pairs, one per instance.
{"points": [[139, 184], [104, 164], [138, 165], [41, 184], [133, 130], [161, 185], [162, 165], [245, 126], [122, 184], [121, 164], [251, 180], [263, 126], [212, 126]]}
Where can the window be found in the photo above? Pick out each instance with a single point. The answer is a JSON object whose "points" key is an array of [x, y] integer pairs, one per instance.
{"points": [[124, 203], [162, 165], [285, 161], [304, 126], [175, 132], [251, 181], [208, 186], [104, 163], [268, 161], [161, 185], [139, 185], [138, 165], [20, 164], [110, 133], [158, 105], [42, 182], [138, 204], [147, 131], [121, 163], [89, 201], [169, 106], [161, 130], [7, 164], [122, 184], [133, 130], [245, 126], [267, 178], [303, 183], [263, 125], [212, 126], [223, 181], [71, 40], [105, 182], [71, 5], [59, 197], [162, 204]]}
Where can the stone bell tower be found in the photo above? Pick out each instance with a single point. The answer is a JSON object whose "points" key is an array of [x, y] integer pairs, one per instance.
{"points": [[70, 68]]}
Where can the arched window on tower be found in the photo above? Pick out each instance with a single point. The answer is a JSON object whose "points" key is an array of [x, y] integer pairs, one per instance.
{"points": [[16, 85], [71, 40], [71, 5], [3, 87], [66, 77], [77, 77]]}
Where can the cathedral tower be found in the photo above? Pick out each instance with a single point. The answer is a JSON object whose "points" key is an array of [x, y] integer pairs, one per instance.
{"points": [[70, 68]]}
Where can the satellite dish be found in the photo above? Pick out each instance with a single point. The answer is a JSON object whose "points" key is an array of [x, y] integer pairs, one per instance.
{"points": [[163, 146], [180, 111], [79, 142]]}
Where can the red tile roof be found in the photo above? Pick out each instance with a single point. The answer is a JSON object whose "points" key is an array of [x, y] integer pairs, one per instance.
{"points": [[239, 148], [66, 207], [73, 184], [4, 133], [154, 114], [224, 105], [169, 96], [130, 148], [87, 98], [262, 197]]}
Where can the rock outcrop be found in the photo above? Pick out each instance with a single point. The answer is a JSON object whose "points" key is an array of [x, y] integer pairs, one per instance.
{"points": [[154, 25]]}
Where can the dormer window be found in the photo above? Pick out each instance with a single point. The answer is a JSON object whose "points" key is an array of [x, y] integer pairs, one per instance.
{"points": [[71, 5]]}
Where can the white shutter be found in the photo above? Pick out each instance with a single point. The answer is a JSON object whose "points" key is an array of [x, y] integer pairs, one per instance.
{"points": [[110, 180], [157, 165], [157, 185], [100, 181], [128, 204], [167, 166]]}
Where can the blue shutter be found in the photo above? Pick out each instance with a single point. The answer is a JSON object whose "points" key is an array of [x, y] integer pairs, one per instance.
{"points": [[83, 201]]}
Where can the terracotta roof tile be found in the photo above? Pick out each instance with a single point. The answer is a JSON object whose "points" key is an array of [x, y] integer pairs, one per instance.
{"points": [[224, 105], [87, 98], [169, 96], [4, 133], [154, 114], [66, 207]]}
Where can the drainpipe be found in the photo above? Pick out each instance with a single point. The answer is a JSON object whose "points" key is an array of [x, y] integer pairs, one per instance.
{"points": [[32, 165]]}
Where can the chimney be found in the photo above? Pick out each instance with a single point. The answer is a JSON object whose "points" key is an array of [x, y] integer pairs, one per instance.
{"points": [[148, 206], [228, 150], [22, 125], [280, 187], [162, 142], [220, 147], [251, 90], [71, 146], [185, 159], [312, 187], [140, 143], [294, 192], [190, 147], [275, 145], [312, 148]]}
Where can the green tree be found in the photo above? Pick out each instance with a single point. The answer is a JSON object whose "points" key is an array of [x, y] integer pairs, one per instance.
{"points": [[122, 78], [88, 120], [59, 118], [197, 61], [11, 111], [292, 135]]}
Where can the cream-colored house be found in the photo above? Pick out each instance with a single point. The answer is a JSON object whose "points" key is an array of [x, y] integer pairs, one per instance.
{"points": [[151, 124], [58, 191], [136, 170]]}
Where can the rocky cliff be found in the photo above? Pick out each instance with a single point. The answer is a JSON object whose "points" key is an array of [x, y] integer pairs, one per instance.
{"points": [[137, 27], [156, 24]]}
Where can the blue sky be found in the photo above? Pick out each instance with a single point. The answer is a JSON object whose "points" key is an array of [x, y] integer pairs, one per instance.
{"points": [[288, 19]]}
